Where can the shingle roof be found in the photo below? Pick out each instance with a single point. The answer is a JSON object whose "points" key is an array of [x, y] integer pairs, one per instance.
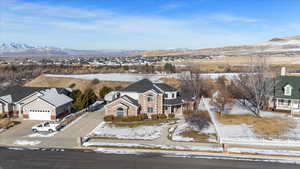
{"points": [[19, 92], [294, 81], [141, 87], [176, 101], [165, 87], [131, 100], [55, 98]]}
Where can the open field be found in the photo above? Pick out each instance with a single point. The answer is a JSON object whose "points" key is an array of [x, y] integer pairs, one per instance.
{"points": [[237, 63]]}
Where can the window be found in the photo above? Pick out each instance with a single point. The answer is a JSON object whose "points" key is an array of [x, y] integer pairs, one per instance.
{"points": [[150, 98], [120, 111], [173, 95], [150, 110], [288, 90]]}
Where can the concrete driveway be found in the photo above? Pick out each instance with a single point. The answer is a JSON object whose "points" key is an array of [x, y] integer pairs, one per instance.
{"points": [[66, 138], [17, 132]]}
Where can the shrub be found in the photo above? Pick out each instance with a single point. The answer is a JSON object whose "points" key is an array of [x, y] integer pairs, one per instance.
{"points": [[154, 117], [109, 118], [171, 116], [162, 116]]}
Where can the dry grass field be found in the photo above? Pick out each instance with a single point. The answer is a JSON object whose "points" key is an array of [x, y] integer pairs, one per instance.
{"points": [[237, 63], [81, 84], [266, 127]]}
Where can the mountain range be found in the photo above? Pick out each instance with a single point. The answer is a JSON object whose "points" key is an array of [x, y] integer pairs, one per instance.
{"points": [[286, 46], [23, 50]]}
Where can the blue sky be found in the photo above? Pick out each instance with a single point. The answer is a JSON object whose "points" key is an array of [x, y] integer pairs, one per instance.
{"points": [[147, 24]]}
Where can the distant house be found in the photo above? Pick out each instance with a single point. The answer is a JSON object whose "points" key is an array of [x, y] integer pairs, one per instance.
{"points": [[147, 97], [35, 103], [287, 94]]}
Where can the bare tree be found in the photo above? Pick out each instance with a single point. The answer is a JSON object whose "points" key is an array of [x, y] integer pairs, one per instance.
{"points": [[252, 89], [192, 82], [222, 100]]}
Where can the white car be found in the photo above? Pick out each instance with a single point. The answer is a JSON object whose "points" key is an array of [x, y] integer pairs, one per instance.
{"points": [[46, 126]]}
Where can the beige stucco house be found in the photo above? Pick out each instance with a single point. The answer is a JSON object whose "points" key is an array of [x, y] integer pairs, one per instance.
{"points": [[35, 103], [147, 97]]}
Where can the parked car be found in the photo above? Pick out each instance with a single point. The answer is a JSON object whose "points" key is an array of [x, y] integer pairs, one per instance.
{"points": [[46, 126]]}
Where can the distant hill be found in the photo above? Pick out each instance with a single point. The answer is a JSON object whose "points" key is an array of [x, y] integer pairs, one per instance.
{"points": [[286, 46], [24, 50]]}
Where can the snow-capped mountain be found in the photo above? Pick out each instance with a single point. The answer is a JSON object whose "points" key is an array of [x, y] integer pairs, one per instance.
{"points": [[19, 50]]}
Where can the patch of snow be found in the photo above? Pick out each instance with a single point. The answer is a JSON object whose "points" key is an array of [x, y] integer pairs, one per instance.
{"points": [[27, 143], [41, 134], [156, 146], [118, 151], [142, 132], [264, 151]]}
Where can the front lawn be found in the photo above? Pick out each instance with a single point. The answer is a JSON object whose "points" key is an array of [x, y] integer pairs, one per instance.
{"points": [[266, 127], [123, 131]]}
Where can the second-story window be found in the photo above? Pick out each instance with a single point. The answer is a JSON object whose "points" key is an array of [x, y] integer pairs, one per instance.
{"points": [[150, 98], [288, 90]]}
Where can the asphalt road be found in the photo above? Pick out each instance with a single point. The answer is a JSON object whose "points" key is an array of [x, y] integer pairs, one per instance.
{"points": [[71, 159]]}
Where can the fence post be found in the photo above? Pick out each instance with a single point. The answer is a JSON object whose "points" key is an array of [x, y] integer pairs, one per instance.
{"points": [[79, 141]]}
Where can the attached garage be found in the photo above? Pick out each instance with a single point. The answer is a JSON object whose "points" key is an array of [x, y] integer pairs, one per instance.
{"points": [[39, 115]]}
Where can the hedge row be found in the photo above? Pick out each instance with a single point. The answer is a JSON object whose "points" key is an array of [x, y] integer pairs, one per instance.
{"points": [[139, 117]]}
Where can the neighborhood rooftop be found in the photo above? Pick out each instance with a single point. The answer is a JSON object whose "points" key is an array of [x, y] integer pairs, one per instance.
{"points": [[19, 92], [145, 85]]}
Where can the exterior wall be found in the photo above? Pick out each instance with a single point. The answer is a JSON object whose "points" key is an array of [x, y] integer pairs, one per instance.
{"points": [[63, 109], [19, 105], [156, 104], [1, 108], [129, 110], [133, 95], [38, 104]]}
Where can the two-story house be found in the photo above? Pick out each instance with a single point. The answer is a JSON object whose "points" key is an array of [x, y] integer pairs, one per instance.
{"points": [[147, 97], [287, 94]]}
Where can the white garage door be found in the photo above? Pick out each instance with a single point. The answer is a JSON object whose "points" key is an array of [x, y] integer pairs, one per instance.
{"points": [[33, 115]]}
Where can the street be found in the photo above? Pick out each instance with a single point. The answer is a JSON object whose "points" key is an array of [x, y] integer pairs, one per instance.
{"points": [[76, 159]]}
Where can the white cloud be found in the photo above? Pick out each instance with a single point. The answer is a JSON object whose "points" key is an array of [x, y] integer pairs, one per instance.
{"points": [[84, 28], [232, 18]]}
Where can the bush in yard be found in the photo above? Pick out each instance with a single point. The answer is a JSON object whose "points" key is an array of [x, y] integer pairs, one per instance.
{"points": [[109, 118], [162, 116], [142, 117], [154, 117], [171, 116]]}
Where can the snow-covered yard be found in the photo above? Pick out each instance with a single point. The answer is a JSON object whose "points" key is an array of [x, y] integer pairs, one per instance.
{"points": [[244, 131], [108, 130], [187, 132]]}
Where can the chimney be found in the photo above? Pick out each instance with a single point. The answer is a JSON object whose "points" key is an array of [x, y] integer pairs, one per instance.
{"points": [[283, 71]]}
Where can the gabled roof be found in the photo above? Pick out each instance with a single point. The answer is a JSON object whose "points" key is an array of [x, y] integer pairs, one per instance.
{"points": [[165, 87], [141, 87], [17, 93], [55, 98], [128, 99], [131, 100], [293, 81]]}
